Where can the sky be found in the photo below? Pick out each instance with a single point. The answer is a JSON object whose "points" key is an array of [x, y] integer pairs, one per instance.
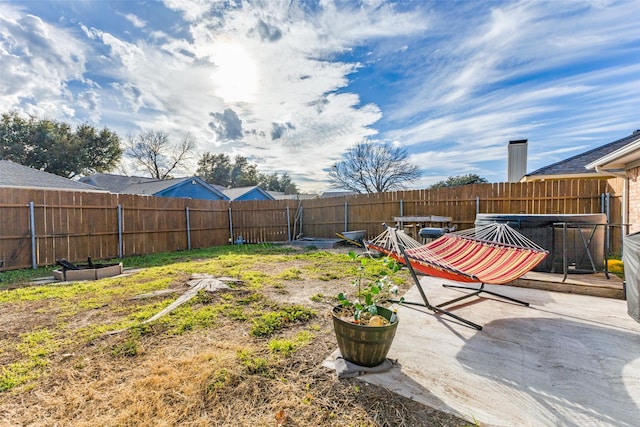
{"points": [[291, 85]]}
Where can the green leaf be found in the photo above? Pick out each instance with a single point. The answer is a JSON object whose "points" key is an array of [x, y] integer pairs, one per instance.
{"points": [[343, 300], [368, 299]]}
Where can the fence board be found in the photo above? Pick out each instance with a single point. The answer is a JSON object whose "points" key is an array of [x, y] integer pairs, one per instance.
{"points": [[75, 225]]}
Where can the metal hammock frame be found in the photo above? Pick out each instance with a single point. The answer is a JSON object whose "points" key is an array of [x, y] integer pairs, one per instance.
{"points": [[493, 254]]}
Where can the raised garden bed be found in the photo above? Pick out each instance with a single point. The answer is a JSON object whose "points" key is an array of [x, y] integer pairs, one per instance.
{"points": [[89, 271]]}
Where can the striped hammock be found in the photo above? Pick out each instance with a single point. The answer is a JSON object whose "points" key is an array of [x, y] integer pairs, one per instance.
{"points": [[493, 254]]}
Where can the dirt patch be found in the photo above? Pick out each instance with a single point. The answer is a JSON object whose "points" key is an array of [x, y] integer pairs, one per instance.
{"points": [[211, 371]]}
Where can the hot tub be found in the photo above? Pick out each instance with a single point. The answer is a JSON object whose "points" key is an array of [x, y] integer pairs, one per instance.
{"points": [[547, 231]]}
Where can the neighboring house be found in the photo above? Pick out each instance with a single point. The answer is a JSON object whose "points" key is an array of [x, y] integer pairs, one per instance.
{"points": [[279, 195], [246, 193], [190, 187], [624, 162], [328, 194], [15, 175], [574, 167], [113, 183]]}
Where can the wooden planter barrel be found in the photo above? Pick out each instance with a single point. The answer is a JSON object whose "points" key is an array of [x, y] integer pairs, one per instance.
{"points": [[364, 345]]}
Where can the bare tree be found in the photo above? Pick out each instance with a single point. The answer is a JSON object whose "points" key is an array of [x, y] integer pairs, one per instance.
{"points": [[153, 151], [369, 168]]}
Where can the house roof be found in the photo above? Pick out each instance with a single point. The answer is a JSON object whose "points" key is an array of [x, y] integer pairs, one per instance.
{"points": [[15, 175], [576, 166], [236, 193], [619, 159], [156, 186], [114, 183], [142, 185]]}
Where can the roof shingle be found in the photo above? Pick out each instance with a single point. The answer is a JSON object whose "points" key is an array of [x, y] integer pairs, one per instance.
{"points": [[577, 163], [15, 175]]}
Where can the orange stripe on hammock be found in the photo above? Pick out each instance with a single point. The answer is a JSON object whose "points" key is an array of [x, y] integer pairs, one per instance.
{"points": [[471, 260]]}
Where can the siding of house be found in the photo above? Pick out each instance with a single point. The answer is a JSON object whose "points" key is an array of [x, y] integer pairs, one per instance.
{"points": [[633, 188]]}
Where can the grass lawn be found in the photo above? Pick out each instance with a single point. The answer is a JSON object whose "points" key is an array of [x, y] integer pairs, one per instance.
{"points": [[79, 354]]}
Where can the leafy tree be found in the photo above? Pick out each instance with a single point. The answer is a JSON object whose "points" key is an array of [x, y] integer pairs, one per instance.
{"points": [[369, 167], [454, 181], [243, 173], [287, 186], [104, 145], [275, 182], [215, 169], [54, 147], [14, 133], [155, 153], [219, 169]]}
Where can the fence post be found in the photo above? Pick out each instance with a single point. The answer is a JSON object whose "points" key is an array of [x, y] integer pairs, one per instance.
{"points": [[477, 205], [230, 226], [32, 225], [188, 229], [120, 242], [346, 215], [607, 210], [401, 207], [288, 225]]}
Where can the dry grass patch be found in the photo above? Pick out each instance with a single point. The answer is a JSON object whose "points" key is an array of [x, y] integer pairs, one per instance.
{"points": [[249, 356]]}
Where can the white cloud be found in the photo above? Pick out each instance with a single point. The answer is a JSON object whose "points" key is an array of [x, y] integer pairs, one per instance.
{"points": [[268, 63], [292, 85], [522, 71], [194, 10], [38, 61], [137, 22], [296, 81], [90, 101]]}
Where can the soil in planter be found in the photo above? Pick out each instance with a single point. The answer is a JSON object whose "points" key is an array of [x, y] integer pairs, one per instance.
{"points": [[346, 314]]}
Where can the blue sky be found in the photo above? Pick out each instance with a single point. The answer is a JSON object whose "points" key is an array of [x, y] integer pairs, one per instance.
{"points": [[292, 84]]}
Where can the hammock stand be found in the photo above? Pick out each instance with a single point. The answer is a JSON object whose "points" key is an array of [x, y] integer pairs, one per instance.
{"points": [[494, 254]]}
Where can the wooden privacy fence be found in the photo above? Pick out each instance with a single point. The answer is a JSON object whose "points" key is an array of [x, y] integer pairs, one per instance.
{"points": [[325, 217], [37, 227]]}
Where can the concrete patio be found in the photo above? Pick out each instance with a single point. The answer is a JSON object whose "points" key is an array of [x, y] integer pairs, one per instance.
{"points": [[568, 359]]}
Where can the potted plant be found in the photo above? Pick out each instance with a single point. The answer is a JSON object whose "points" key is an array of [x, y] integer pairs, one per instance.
{"points": [[364, 328]]}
